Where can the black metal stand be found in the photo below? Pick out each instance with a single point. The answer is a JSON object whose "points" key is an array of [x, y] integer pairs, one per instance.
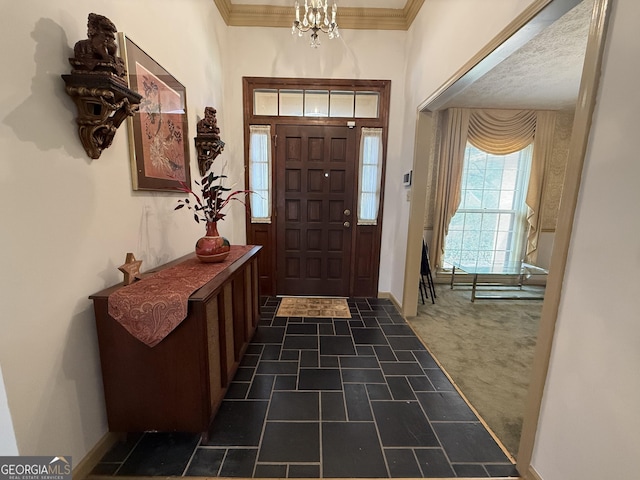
{"points": [[427, 287]]}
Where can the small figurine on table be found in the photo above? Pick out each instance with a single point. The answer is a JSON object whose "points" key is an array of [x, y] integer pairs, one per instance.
{"points": [[131, 269]]}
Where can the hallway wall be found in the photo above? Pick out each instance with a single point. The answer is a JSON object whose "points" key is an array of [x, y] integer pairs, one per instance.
{"points": [[590, 420], [68, 221], [8, 445]]}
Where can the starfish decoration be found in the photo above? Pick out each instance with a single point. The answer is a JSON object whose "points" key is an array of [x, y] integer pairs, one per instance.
{"points": [[131, 269]]}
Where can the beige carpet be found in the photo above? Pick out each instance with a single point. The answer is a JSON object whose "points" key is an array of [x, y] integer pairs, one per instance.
{"points": [[319, 307], [487, 348]]}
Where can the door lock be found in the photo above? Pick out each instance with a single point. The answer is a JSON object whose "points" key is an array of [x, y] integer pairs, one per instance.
{"points": [[347, 212], [346, 224]]}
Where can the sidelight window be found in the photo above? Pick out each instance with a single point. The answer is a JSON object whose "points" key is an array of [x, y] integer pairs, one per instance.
{"points": [[370, 176], [260, 173]]}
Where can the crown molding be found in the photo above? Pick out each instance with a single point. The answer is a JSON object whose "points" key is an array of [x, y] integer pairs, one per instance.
{"points": [[411, 9], [243, 15]]}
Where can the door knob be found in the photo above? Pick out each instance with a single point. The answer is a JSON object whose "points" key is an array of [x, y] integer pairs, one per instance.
{"points": [[347, 212], [346, 224]]}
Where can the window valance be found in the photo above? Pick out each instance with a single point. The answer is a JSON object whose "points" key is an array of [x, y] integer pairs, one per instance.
{"points": [[501, 132]]}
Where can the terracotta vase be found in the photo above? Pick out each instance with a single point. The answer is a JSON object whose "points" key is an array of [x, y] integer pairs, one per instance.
{"points": [[212, 247]]}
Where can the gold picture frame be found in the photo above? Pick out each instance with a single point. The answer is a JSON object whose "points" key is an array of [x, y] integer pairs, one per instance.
{"points": [[158, 132]]}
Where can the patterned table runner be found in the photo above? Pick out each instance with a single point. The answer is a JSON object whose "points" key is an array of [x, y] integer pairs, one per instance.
{"points": [[152, 307]]}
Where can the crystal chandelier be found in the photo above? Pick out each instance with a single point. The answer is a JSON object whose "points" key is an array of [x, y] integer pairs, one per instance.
{"points": [[316, 18]]}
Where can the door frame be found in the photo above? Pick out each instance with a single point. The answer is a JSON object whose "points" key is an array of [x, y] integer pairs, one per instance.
{"points": [[366, 238], [528, 23]]}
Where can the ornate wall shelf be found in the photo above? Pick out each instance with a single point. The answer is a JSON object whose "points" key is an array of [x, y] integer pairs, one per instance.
{"points": [[98, 86], [103, 104], [208, 142]]}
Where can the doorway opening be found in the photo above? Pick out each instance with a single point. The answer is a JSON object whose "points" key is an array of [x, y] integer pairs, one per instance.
{"points": [[580, 124]]}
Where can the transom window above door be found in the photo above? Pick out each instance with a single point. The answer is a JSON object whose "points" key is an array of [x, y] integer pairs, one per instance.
{"points": [[316, 103]]}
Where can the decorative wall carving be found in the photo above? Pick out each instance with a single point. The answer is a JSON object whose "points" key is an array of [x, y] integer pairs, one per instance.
{"points": [[208, 142], [98, 86]]}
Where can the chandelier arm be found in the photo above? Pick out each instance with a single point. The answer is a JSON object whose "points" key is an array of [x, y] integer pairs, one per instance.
{"points": [[301, 27], [316, 18]]}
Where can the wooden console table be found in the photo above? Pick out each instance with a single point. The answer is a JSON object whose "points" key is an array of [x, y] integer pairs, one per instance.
{"points": [[179, 384]]}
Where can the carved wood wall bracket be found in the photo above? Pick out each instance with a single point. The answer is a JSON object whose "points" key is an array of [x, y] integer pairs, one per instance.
{"points": [[208, 142], [102, 104], [98, 86]]}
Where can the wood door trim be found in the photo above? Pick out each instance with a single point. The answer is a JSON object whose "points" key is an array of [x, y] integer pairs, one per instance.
{"points": [[264, 233]]}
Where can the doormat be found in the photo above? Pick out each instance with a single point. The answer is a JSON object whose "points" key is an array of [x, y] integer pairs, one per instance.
{"points": [[319, 307]]}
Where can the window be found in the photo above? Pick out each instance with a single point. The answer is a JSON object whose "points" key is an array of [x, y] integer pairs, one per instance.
{"points": [[341, 104], [315, 103], [489, 227], [370, 175], [260, 173]]}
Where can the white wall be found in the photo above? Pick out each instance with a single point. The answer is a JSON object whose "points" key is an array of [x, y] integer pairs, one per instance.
{"points": [[8, 445], [590, 418], [68, 221]]}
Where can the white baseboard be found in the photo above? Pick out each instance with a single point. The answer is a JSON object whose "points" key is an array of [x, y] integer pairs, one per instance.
{"points": [[92, 458], [532, 474], [393, 299]]}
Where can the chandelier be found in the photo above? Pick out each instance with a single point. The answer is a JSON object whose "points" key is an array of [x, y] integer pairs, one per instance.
{"points": [[316, 18]]}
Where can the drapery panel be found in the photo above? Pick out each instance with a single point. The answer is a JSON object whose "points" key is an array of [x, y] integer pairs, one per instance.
{"points": [[499, 132], [455, 130], [542, 149]]}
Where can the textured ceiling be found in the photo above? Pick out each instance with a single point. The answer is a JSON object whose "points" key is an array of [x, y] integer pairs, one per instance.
{"points": [[544, 74]]}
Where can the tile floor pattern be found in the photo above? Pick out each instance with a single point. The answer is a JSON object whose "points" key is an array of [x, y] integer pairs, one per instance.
{"points": [[321, 398]]}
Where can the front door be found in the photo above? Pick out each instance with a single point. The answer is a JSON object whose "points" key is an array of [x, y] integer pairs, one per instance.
{"points": [[315, 192]]}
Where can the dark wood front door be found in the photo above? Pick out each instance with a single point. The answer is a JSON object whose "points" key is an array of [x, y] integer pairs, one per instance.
{"points": [[315, 198]]}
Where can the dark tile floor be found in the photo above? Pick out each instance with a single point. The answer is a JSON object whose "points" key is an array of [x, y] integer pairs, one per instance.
{"points": [[320, 398]]}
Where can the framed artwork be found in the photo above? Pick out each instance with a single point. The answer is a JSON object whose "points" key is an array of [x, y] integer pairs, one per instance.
{"points": [[158, 132]]}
